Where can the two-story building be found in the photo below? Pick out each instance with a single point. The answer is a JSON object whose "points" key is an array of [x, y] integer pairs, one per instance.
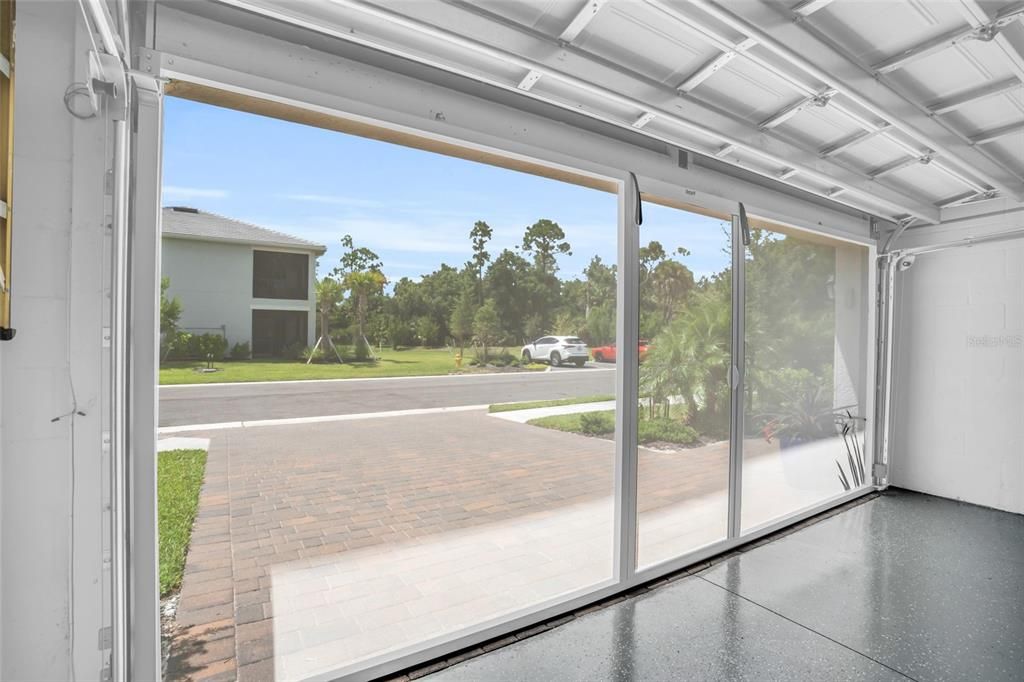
{"points": [[251, 284]]}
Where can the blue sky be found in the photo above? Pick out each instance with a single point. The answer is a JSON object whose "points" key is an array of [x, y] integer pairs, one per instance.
{"points": [[412, 207]]}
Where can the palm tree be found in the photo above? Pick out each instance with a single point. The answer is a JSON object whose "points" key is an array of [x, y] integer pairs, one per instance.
{"points": [[361, 285], [328, 295], [690, 358]]}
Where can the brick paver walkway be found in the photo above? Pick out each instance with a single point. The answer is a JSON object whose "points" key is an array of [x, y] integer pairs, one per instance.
{"points": [[291, 515]]}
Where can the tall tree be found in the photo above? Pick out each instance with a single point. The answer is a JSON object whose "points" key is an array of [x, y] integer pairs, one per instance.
{"points": [[329, 294], [486, 326], [356, 259], [479, 236], [361, 285], [461, 323], [649, 257], [359, 271], [170, 309], [670, 284], [600, 280], [545, 241], [506, 284]]}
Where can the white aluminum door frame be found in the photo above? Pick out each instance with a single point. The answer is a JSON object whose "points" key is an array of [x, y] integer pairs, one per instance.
{"points": [[145, 657]]}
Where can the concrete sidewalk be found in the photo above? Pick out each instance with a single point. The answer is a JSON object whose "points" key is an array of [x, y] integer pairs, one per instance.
{"points": [[523, 416]]}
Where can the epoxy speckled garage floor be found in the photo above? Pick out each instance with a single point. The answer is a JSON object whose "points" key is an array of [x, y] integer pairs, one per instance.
{"points": [[905, 586]]}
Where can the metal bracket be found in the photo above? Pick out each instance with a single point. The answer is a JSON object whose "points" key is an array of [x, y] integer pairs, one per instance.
{"points": [[107, 78], [106, 638], [824, 98]]}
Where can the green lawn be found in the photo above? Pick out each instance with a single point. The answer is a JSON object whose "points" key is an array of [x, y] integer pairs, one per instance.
{"points": [[179, 477], [391, 363], [509, 407], [602, 424]]}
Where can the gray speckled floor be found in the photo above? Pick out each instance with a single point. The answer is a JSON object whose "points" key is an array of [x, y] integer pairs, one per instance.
{"points": [[905, 586]]}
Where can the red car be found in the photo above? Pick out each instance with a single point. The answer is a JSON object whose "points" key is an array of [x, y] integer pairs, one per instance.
{"points": [[607, 353]]}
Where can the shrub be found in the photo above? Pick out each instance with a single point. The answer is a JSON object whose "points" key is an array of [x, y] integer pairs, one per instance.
{"points": [[312, 354], [213, 345], [240, 351], [504, 359], [185, 346], [294, 351], [175, 345], [666, 430], [597, 423]]}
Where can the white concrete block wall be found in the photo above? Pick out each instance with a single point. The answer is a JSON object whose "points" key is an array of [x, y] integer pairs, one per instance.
{"points": [[59, 249], [959, 407]]}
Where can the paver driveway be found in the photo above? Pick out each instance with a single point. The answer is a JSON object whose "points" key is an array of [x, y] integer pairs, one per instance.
{"points": [[321, 546]]}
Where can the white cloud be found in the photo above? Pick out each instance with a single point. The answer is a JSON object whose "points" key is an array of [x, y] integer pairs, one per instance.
{"points": [[178, 192], [353, 202], [400, 235], [417, 208]]}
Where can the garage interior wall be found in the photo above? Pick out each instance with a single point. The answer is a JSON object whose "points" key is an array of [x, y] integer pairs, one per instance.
{"points": [[57, 359], [60, 288], [959, 379]]}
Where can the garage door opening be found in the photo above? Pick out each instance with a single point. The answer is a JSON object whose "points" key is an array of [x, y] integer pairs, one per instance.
{"points": [[536, 401]]}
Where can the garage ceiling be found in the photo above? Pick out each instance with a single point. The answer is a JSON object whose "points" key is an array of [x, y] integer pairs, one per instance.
{"points": [[897, 108]]}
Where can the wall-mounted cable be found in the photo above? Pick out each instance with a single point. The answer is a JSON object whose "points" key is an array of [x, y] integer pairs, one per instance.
{"points": [[73, 93]]}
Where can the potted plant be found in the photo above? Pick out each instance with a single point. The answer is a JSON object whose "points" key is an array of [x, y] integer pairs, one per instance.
{"points": [[797, 409]]}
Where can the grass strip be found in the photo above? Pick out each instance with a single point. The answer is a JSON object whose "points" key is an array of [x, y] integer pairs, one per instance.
{"points": [[179, 478]]}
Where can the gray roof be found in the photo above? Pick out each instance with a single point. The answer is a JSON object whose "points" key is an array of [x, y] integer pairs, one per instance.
{"points": [[190, 223]]}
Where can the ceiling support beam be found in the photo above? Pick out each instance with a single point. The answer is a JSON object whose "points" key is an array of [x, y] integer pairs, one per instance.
{"points": [[808, 90], [975, 31], [701, 120], [797, 45], [978, 94], [780, 117], [714, 64], [579, 22], [725, 150], [809, 7], [851, 141], [998, 133], [898, 166], [589, 60], [966, 198], [922, 50]]}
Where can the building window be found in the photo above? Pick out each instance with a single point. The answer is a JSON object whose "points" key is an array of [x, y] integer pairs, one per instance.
{"points": [[276, 331], [280, 275]]}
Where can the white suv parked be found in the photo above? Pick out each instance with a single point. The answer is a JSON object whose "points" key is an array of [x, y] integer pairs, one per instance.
{"points": [[557, 350]]}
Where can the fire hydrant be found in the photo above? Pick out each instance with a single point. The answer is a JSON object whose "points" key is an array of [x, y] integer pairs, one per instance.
{"points": [[458, 360]]}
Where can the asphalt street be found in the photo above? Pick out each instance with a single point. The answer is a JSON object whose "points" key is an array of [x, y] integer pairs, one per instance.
{"points": [[205, 404]]}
